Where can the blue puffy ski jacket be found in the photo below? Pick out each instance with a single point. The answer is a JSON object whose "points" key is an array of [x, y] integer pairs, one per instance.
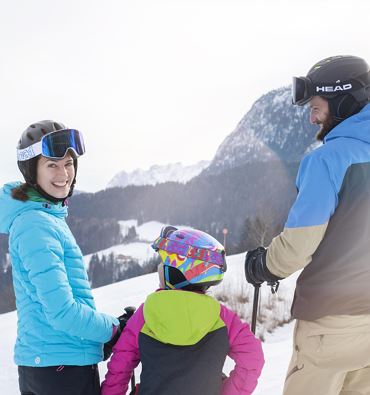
{"points": [[57, 320]]}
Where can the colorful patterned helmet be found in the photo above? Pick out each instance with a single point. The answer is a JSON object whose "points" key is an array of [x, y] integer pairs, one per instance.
{"points": [[192, 259]]}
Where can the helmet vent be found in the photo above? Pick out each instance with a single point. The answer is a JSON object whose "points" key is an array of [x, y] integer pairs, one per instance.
{"points": [[58, 126], [29, 135], [32, 126], [43, 131]]}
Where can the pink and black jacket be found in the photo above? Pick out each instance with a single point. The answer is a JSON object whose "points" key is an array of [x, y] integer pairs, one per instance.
{"points": [[182, 339]]}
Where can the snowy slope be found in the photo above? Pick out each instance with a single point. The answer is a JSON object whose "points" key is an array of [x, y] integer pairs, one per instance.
{"points": [[141, 248], [113, 298], [158, 174]]}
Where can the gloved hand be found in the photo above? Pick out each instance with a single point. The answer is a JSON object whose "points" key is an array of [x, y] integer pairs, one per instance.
{"points": [[129, 311], [256, 271]]}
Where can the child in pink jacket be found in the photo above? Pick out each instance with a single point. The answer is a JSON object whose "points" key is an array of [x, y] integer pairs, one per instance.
{"points": [[182, 336]]}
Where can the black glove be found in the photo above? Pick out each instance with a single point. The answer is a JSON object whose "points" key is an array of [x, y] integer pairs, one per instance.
{"points": [[256, 271], [122, 323]]}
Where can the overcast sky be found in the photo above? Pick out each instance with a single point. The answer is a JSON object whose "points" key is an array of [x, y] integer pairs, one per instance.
{"points": [[157, 81]]}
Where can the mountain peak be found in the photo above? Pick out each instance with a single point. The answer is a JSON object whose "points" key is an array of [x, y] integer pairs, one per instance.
{"points": [[272, 129], [157, 174]]}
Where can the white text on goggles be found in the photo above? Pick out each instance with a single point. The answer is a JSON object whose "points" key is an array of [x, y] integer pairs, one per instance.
{"points": [[54, 145], [303, 89]]}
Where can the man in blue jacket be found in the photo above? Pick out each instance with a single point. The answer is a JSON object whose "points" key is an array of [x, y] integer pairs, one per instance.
{"points": [[327, 234]]}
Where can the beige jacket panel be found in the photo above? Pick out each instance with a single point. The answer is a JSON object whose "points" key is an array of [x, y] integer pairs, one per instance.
{"points": [[293, 248]]}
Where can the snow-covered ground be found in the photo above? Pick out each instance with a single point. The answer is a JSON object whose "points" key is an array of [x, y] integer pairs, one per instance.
{"points": [[113, 298], [141, 248]]}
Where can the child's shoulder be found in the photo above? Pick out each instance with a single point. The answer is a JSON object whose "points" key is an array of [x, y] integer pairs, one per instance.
{"points": [[229, 316], [177, 297]]}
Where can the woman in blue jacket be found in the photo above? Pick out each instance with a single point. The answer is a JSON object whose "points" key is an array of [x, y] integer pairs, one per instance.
{"points": [[60, 334]]}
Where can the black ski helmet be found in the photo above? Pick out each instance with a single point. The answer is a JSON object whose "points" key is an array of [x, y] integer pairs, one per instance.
{"points": [[343, 80], [28, 168]]}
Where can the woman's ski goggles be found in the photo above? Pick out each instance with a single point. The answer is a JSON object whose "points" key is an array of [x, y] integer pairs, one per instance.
{"points": [[176, 247], [55, 145]]}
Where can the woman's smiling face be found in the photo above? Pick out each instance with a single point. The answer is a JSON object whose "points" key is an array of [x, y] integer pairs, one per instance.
{"points": [[55, 177]]}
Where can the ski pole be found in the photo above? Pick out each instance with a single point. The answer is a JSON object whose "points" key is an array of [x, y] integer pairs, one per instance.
{"points": [[133, 384], [255, 307], [274, 287], [134, 387]]}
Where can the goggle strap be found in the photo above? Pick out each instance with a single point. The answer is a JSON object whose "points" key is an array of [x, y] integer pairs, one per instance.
{"points": [[30, 152], [355, 84], [179, 248]]}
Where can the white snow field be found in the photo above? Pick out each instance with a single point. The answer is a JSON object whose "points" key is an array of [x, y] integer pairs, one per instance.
{"points": [[113, 298], [139, 249]]}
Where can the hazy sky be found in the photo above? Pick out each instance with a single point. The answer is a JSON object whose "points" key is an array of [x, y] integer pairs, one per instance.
{"points": [[157, 81]]}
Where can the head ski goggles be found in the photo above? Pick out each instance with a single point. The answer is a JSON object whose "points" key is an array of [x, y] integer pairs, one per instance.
{"points": [[303, 89], [216, 257], [55, 145]]}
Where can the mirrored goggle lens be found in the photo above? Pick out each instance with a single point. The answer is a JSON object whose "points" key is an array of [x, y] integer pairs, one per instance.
{"points": [[56, 144], [300, 91], [176, 247]]}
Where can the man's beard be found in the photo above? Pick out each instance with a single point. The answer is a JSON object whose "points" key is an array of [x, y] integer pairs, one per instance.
{"points": [[325, 128]]}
